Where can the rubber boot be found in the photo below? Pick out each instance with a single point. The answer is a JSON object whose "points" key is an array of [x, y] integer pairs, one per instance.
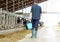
{"points": [[33, 34]]}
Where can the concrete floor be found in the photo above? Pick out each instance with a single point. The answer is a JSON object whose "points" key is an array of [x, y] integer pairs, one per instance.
{"points": [[46, 34]]}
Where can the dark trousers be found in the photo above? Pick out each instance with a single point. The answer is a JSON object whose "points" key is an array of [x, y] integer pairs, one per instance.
{"points": [[35, 24]]}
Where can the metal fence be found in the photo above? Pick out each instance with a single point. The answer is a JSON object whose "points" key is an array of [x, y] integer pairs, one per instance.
{"points": [[8, 20]]}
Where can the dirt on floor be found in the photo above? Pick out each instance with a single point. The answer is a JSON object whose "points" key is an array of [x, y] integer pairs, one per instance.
{"points": [[14, 37]]}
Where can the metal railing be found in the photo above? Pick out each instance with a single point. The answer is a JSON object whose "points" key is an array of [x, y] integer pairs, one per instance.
{"points": [[8, 20]]}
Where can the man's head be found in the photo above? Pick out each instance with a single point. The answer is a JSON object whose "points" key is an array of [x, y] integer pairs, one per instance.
{"points": [[35, 1]]}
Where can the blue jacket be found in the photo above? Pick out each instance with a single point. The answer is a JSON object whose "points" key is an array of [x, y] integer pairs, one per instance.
{"points": [[36, 11]]}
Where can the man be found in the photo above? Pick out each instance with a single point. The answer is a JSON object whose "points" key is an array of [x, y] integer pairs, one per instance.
{"points": [[35, 14]]}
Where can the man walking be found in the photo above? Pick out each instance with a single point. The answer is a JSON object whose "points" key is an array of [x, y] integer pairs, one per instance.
{"points": [[35, 14]]}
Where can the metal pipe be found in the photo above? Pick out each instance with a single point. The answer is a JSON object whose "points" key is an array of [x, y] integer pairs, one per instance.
{"points": [[18, 4], [6, 5], [22, 7], [25, 6], [13, 6]]}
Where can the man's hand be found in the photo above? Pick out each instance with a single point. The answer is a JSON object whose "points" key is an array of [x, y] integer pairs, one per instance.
{"points": [[28, 19]]}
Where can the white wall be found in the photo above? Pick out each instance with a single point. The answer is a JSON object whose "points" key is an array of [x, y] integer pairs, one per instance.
{"points": [[53, 6]]}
